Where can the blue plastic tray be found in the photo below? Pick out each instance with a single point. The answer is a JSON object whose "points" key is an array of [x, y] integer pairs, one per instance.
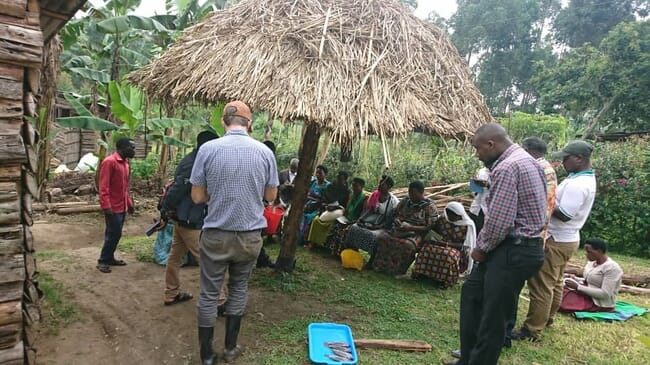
{"points": [[319, 333]]}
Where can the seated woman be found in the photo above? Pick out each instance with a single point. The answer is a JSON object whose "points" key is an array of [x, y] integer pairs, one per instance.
{"points": [[414, 217], [445, 255], [377, 216], [352, 212], [602, 280], [314, 203], [335, 198]]}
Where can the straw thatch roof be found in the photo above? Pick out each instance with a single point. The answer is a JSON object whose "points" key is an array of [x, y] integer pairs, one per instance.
{"points": [[352, 66]]}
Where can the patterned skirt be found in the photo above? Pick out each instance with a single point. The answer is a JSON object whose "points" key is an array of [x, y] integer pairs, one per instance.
{"points": [[362, 238], [440, 263], [337, 237], [395, 255]]}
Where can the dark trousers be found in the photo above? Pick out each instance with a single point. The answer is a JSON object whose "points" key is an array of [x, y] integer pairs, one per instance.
{"points": [[488, 296], [112, 235]]}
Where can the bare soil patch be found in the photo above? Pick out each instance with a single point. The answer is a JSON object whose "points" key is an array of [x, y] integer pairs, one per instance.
{"points": [[122, 319]]}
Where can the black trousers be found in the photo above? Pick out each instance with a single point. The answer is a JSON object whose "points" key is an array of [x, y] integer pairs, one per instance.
{"points": [[489, 295]]}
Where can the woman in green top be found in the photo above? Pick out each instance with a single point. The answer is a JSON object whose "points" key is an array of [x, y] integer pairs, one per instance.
{"points": [[352, 212]]}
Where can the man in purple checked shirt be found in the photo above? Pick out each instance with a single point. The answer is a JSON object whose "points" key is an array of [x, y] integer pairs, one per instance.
{"points": [[509, 248]]}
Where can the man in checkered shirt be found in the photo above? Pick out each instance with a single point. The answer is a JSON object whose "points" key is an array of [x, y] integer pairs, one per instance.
{"points": [[509, 248], [233, 175]]}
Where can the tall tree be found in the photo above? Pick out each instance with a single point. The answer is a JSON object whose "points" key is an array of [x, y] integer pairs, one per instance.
{"points": [[604, 88], [588, 21], [503, 39]]}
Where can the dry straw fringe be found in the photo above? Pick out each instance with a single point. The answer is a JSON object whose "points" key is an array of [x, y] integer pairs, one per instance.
{"points": [[354, 67]]}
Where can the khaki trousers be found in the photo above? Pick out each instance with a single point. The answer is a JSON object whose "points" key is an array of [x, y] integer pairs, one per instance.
{"points": [[546, 286], [184, 240]]}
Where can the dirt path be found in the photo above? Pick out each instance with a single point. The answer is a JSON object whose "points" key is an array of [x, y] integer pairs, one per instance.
{"points": [[122, 319]]}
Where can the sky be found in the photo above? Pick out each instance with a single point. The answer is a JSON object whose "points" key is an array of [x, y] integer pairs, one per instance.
{"points": [[445, 8]]}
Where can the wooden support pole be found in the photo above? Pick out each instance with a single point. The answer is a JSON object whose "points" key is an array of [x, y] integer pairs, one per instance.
{"points": [[307, 156]]}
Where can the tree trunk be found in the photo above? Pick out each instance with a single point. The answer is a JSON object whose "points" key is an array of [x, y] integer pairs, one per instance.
{"points": [[307, 155], [324, 149], [594, 122], [268, 130], [164, 158]]}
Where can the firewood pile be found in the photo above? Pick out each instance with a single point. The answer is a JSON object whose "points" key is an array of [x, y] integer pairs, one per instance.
{"points": [[443, 194]]}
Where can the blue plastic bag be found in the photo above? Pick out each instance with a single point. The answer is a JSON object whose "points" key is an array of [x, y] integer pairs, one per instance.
{"points": [[163, 244]]}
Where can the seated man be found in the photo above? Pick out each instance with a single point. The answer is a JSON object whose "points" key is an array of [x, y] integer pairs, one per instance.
{"points": [[445, 254], [602, 280]]}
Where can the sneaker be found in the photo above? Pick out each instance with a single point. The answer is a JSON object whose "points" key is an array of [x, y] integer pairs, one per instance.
{"points": [[524, 334], [456, 354]]}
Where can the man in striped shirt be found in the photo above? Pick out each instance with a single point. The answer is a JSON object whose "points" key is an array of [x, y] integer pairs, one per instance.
{"points": [[509, 248]]}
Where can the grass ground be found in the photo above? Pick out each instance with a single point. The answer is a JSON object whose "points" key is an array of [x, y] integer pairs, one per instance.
{"points": [[379, 306], [57, 308]]}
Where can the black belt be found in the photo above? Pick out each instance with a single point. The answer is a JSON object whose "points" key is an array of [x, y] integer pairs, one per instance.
{"points": [[523, 241], [223, 230]]}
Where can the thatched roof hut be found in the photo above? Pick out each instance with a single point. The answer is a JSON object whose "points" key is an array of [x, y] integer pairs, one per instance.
{"points": [[351, 66]]}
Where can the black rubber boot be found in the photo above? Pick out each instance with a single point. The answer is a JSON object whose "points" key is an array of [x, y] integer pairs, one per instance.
{"points": [[208, 357], [232, 352]]}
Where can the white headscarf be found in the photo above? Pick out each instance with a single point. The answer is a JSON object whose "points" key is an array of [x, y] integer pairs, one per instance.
{"points": [[470, 237]]}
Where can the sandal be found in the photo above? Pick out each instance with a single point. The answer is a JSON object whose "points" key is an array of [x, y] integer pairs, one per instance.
{"points": [[104, 268], [117, 263], [179, 298]]}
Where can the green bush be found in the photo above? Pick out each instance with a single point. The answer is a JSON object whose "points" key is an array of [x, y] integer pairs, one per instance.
{"points": [[551, 128], [621, 212], [144, 168]]}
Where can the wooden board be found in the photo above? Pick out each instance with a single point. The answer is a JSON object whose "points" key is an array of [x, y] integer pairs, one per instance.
{"points": [[11, 173], [30, 265], [11, 291], [32, 158], [80, 209], [11, 109], [11, 246], [12, 268], [28, 239], [33, 79], [26, 203], [10, 237], [12, 150], [11, 312], [29, 134], [32, 294], [29, 183], [9, 212], [20, 45], [11, 82], [15, 8], [9, 337], [29, 21], [399, 345]]}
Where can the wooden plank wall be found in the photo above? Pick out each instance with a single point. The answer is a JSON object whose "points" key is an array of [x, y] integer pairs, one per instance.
{"points": [[21, 48]]}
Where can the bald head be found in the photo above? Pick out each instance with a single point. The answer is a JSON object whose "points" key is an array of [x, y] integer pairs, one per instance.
{"points": [[490, 141], [493, 131]]}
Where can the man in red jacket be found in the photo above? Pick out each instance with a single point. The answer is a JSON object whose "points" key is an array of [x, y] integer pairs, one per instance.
{"points": [[115, 200]]}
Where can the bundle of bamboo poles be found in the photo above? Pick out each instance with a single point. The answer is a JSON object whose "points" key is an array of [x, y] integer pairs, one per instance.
{"points": [[443, 194]]}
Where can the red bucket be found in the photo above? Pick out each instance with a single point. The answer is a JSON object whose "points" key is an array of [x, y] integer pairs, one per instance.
{"points": [[273, 215]]}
